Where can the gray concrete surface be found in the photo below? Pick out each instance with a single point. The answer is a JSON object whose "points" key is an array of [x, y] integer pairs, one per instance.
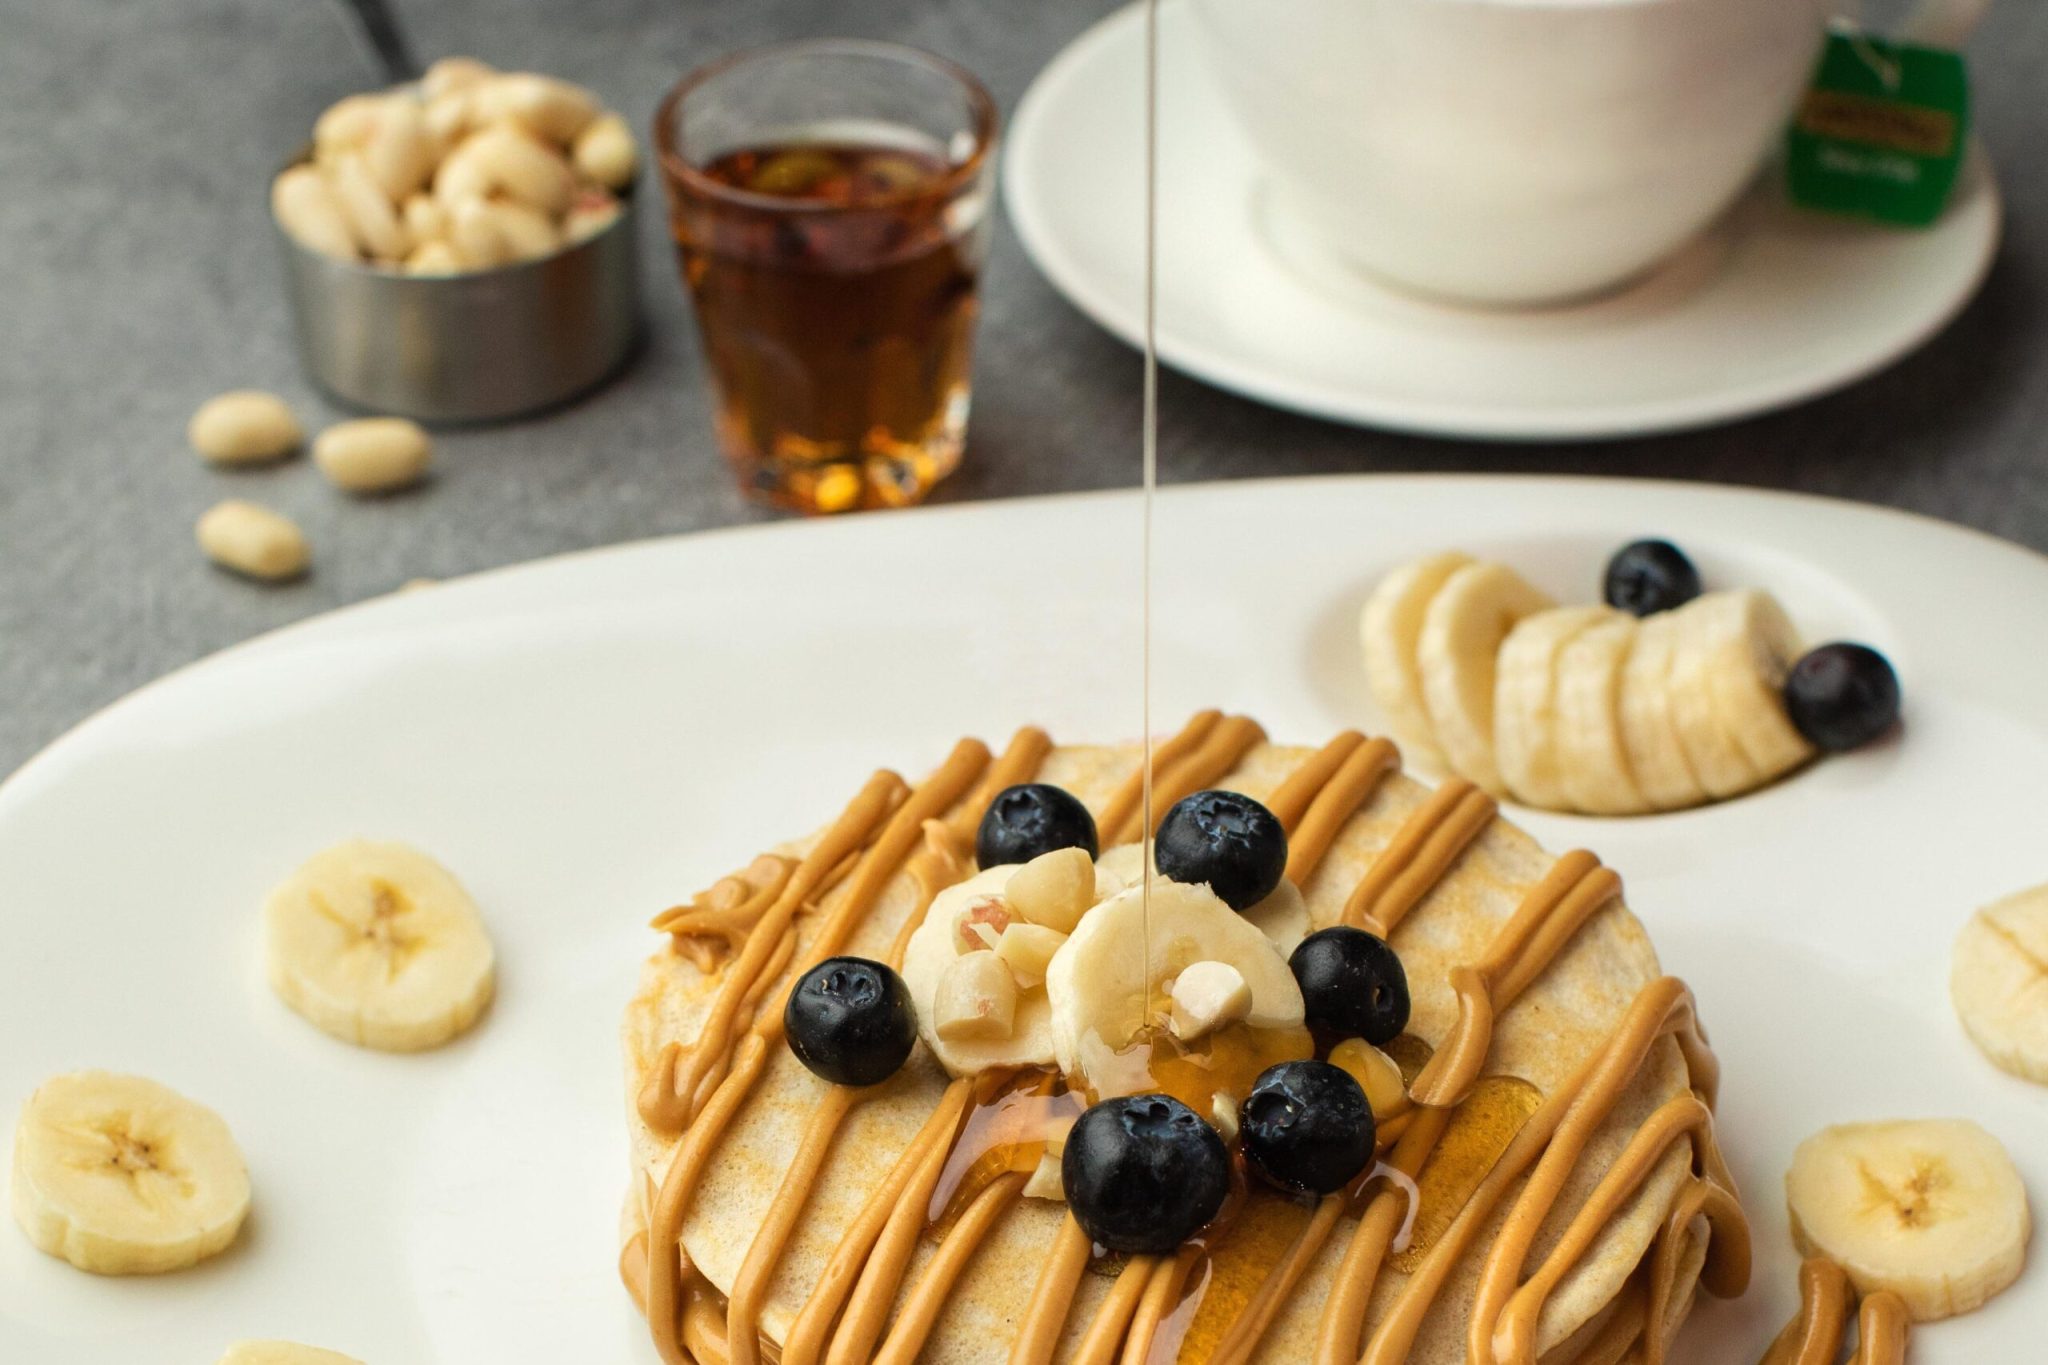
{"points": [[136, 279]]}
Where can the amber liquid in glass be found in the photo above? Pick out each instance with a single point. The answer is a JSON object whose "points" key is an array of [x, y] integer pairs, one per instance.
{"points": [[836, 298]]}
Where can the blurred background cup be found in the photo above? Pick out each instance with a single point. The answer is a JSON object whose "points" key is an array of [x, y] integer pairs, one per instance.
{"points": [[830, 205], [1517, 151]]}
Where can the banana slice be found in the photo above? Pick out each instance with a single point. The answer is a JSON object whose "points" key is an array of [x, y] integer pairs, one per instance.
{"points": [[379, 945], [1525, 689], [1389, 630], [939, 943], [1283, 915], [122, 1176], [1749, 644], [1591, 751], [1998, 979], [1456, 655], [1649, 730], [1930, 1209], [1109, 972], [283, 1353], [1717, 758]]}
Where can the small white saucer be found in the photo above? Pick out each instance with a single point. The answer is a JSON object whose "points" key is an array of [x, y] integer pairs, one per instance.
{"points": [[1772, 306]]}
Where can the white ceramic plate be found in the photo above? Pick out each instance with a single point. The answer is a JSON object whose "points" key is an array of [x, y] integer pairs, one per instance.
{"points": [[588, 740], [1773, 306]]}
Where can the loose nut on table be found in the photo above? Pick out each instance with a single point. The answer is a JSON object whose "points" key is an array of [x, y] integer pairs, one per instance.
{"points": [[374, 454], [244, 426], [253, 540]]}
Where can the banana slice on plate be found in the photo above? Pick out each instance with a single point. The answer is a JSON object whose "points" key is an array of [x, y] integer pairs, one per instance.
{"points": [[379, 945], [1649, 728], [1998, 979], [1717, 757], [1456, 655], [1389, 631], [283, 1353], [1525, 693], [122, 1176], [1930, 1209], [1748, 645], [1109, 972], [1591, 751]]}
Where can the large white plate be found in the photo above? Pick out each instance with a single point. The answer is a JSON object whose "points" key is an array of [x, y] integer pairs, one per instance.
{"points": [[1773, 306], [590, 739]]}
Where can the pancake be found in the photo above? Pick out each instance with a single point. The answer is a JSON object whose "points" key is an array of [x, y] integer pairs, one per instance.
{"points": [[1596, 1002]]}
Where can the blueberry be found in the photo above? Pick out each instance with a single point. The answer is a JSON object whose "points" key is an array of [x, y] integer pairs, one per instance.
{"points": [[1229, 842], [1650, 576], [1026, 821], [1144, 1173], [851, 1021], [1842, 696], [1352, 984], [1306, 1126]]}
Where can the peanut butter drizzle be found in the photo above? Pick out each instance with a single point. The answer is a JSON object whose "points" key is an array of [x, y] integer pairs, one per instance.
{"points": [[1290, 800], [1343, 1320], [1162, 1293], [1252, 1321], [928, 1295], [867, 1309], [671, 1108], [1816, 1332], [814, 1321], [1814, 1336], [1356, 779], [1881, 1326], [1105, 1335], [1179, 770], [750, 1286], [717, 921], [1683, 1119], [1418, 856], [941, 863], [1697, 1198], [1045, 1317], [905, 815], [1120, 818], [1663, 1007], [1522, 950]]}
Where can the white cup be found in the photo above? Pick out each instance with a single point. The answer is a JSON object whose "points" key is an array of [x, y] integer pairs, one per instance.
{"points": [[1518, 151]]}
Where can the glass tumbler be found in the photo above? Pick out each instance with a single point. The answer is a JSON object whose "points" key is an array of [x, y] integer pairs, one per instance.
{"points": [[830, 206]]}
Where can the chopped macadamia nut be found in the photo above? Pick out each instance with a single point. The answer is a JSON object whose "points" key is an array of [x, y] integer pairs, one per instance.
{"points": [[977, 999], [1026, 949], [1207, 996], [1054, 889]]}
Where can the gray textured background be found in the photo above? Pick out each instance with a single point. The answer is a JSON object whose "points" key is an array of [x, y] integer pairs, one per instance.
{"points": [[136, 279]]}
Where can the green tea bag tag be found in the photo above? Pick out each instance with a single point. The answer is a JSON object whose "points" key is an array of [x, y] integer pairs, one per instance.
{"points": [[1882, 130]]}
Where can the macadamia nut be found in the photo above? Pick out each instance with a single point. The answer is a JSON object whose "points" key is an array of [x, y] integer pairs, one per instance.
{"points": [[253, 540], [374, 454], [244, 426]]}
